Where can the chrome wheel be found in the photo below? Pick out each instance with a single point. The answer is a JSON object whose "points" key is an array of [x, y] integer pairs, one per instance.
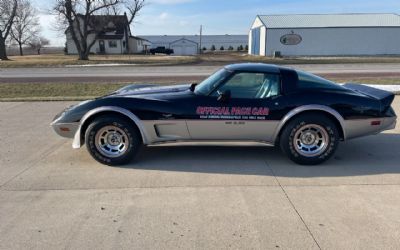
{"points": [[112, 141], [311, 140]]}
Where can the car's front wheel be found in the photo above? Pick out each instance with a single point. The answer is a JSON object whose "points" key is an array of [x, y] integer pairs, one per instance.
{"points": [[112, 140], [310, 139]]}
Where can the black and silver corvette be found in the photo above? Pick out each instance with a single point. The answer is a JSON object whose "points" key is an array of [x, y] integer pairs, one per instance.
{"points": [[303, 114]]}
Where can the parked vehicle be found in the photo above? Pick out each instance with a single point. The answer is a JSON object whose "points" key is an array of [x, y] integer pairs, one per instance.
{"points": [[305, 115], [161, 50]]}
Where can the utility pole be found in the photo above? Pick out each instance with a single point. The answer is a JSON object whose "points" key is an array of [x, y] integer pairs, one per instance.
{"points": [[201, 37]]}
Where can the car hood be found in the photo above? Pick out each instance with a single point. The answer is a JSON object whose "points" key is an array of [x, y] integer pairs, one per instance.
{"points": [[144, 90]]}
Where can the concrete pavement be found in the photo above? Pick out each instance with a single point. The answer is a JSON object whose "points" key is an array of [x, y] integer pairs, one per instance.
{"points": [[187, 196]]}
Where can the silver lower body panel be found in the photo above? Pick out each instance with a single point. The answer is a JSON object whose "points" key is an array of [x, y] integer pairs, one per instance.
{"points": [[170, 131], [363, 127]]}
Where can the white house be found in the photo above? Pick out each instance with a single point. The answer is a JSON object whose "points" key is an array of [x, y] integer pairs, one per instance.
{"points": [[138, 44], [325, 35], [112, 35]]}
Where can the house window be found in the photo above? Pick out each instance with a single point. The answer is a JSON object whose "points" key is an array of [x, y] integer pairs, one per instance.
{"points": [[124, 44], [112, 44]]}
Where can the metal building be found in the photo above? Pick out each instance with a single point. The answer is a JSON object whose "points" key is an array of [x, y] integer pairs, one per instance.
{"points": [[184, 47], [325, 35]]}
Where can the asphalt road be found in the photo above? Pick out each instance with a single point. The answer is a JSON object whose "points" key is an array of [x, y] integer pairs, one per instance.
{"points": [[178, 73], [190, 196]]}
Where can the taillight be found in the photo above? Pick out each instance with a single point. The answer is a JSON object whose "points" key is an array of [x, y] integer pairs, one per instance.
{"points": [[375, 123]]}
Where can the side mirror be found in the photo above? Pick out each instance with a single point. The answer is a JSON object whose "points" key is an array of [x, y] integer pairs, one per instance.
{"points": [[224, 96], [193, 87]]}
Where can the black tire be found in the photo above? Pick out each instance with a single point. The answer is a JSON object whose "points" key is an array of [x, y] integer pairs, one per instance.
{"points": [[130, 139], [309, 127]]}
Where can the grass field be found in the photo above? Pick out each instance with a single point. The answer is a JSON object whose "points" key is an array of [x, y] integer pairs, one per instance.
{"points": [[78, 91], [84, 91], [55, 91], [59, 60], [231, 57], [64, 60]]}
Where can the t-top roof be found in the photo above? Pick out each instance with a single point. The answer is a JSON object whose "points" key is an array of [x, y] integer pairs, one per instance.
{"points": [[330, 20], [254, 67]]}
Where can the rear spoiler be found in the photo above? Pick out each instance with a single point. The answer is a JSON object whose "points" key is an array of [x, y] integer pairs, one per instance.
{"points": [[385, 97]]}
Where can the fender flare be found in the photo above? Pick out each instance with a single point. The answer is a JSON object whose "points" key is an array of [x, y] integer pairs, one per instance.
{"points": [[312, 107], [77, 143]]}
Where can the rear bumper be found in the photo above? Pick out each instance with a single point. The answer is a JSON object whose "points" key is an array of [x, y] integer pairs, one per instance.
{"points": [[365, 127], [389, 123]]}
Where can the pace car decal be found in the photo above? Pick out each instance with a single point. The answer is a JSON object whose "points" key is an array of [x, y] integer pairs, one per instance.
{"points": [[233, 113]]}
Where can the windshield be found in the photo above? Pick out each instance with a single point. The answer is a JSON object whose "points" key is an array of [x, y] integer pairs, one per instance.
{"points": [[209, 84]]}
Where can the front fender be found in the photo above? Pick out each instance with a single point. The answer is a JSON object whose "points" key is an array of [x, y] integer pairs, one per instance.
{"points": [[77, 143]]}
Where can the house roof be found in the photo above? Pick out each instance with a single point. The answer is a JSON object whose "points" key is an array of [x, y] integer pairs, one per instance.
{"points": [[330, 20], [109, 23], [139, 38]]}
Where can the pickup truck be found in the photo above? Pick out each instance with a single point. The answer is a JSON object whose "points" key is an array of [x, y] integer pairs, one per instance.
{"points": [[161, 50]]}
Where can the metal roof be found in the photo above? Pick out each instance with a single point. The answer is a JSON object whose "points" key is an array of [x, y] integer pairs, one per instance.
{"points": [[330, 20], [184, 40]]}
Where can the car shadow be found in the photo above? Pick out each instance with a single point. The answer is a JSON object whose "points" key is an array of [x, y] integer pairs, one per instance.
{"points": [[371, 155]]}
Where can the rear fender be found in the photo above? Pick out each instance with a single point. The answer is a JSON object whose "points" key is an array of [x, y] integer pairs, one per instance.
{"points": [[305, 108]]}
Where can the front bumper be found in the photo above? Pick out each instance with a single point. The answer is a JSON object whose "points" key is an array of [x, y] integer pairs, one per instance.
{"points": [[67, 130]]}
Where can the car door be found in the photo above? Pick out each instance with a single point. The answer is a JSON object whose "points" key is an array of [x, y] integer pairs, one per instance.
{"points": [[243, 107]]}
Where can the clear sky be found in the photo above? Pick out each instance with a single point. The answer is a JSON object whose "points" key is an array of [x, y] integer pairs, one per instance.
{"points": [[184, 17]]}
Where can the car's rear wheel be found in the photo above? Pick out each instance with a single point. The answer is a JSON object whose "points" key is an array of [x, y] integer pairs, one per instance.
{"points": [[112, 140], [310, 139]]}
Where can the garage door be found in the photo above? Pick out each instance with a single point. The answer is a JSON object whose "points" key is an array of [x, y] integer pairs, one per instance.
{"points": [[184, 49], [255, 41]]}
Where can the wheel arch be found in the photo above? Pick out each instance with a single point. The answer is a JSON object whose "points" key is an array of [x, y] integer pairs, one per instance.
{"points": [[314, 109], [93, 114]]}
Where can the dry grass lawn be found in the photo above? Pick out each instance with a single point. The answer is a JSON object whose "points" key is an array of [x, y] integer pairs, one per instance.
{"points": [[58, 60], [84, 91], [219, 58]]}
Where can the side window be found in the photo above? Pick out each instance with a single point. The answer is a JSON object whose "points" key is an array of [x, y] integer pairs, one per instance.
{"points": [[310, 81], [112, 44], [252, 86]]}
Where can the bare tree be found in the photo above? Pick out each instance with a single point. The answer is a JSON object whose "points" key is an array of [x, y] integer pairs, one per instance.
{"points": [[26, 24], [78, 14], [134, 7], [38, 43], [113, 10], [8, 10]]}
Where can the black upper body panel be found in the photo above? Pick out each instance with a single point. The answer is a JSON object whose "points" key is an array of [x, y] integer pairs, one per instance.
{"points": [[151, 102]]}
